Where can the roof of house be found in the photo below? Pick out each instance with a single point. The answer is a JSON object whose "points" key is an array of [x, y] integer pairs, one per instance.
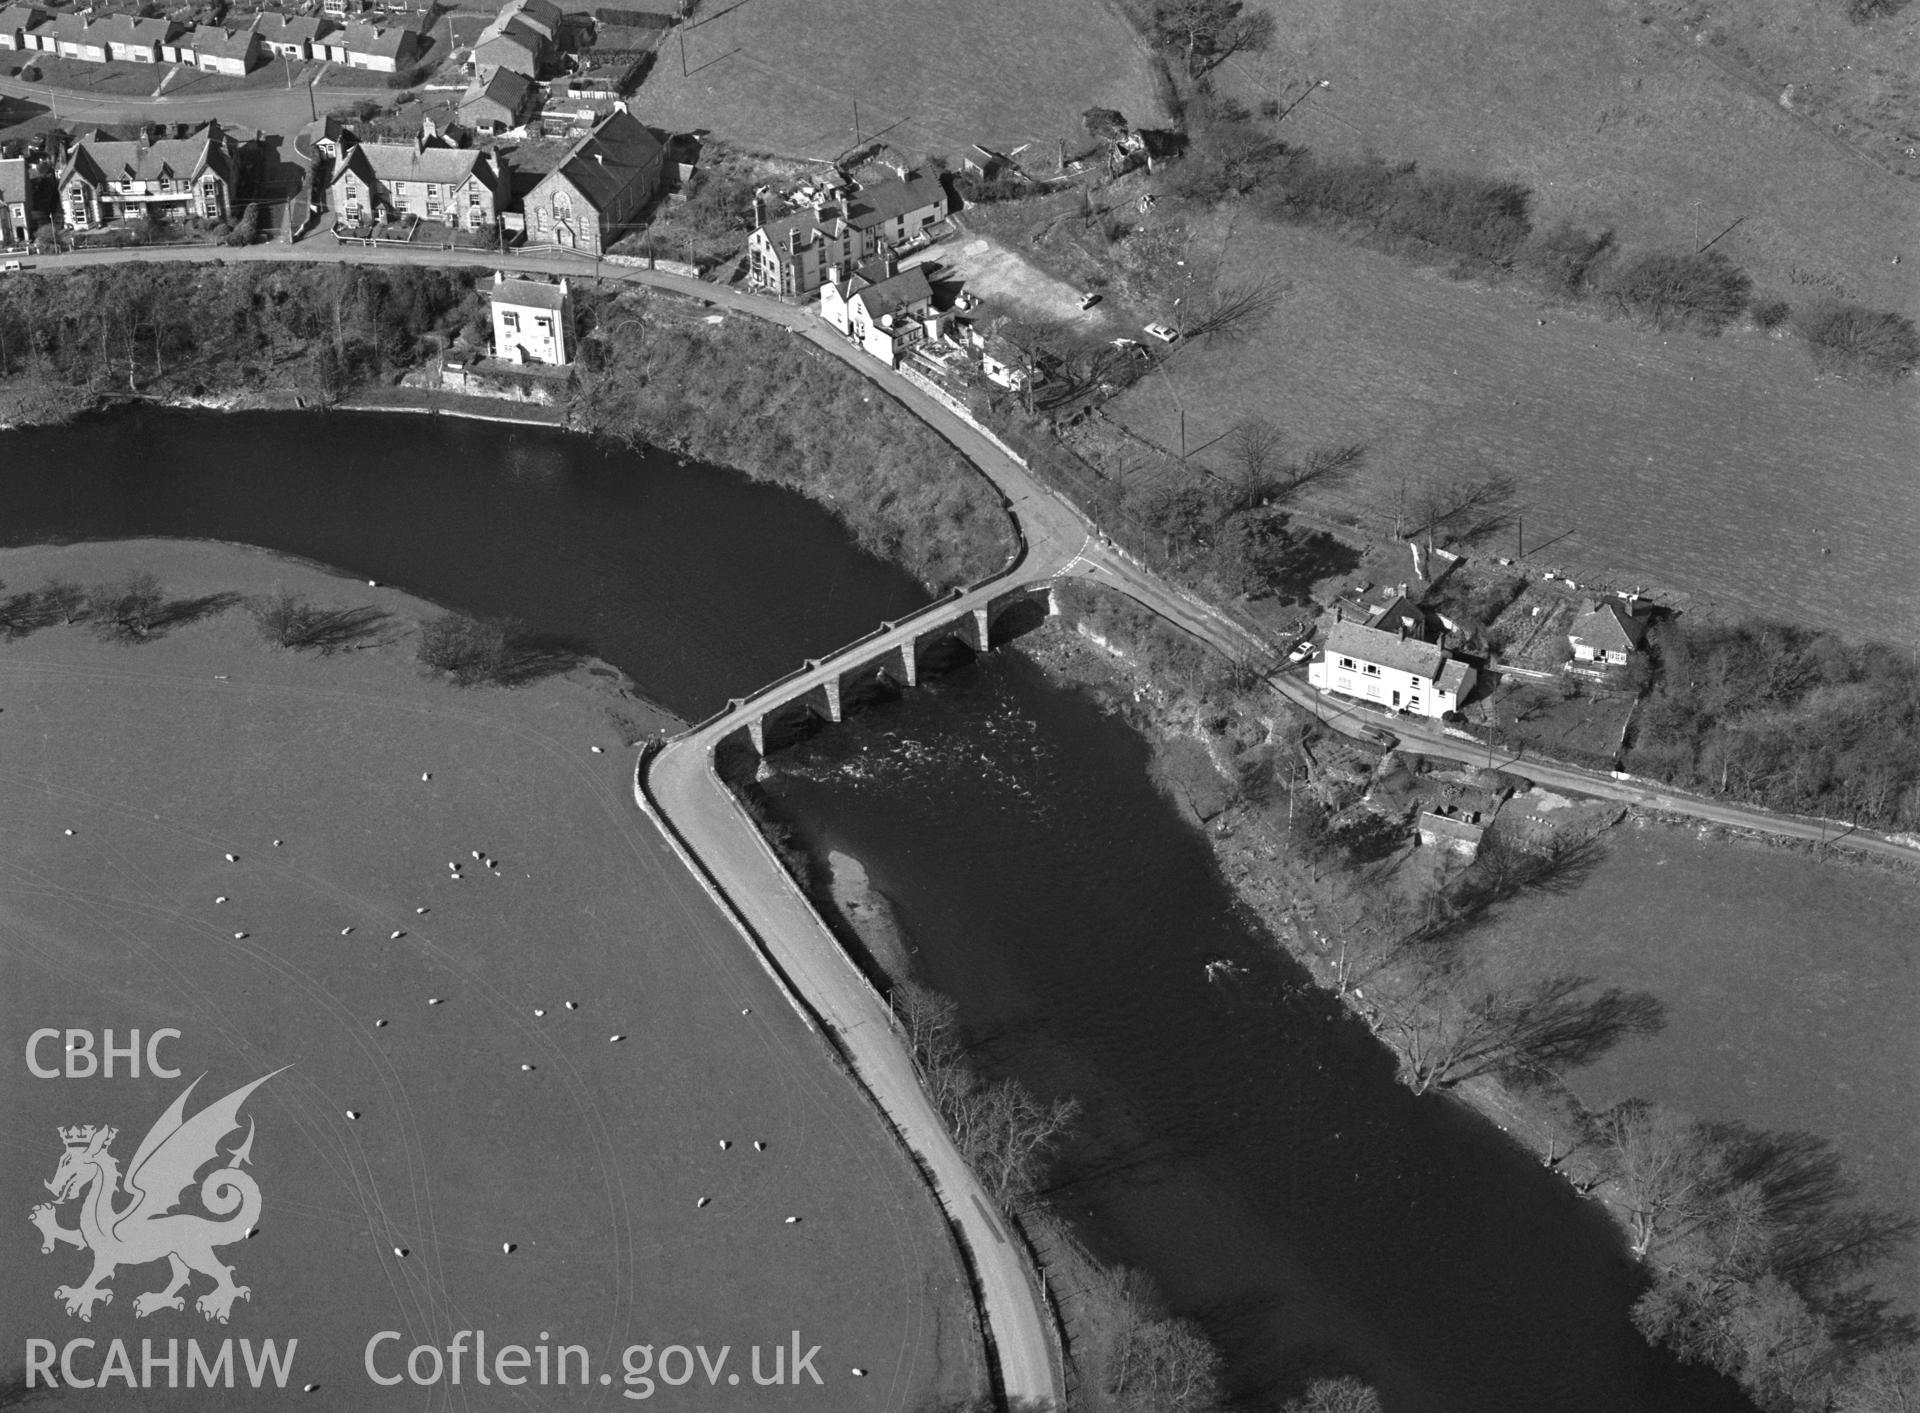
{"points": [[292, 29], [528, 294], [127, 29], [382, 43], [1375, 645], [1400, 612], [1608, 625], [73, 30], [1448, 827], [517, 45], [505, 87], [543, 15], [20, 17], [893, 294], [1454, 677], [181, 157], [415, 162], [508, 24], [13, 179], [222, 43], [880, 202], [615, 153]]}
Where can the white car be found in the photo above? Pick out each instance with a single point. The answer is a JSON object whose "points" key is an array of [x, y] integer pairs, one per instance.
{"points": [[1164, 332], [1302, 650]]}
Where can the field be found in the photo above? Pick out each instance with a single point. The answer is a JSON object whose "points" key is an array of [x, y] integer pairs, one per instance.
{"points": [[498, 1107], [1790, 987], [784, 76], [1614, 117], [1714, 471]]}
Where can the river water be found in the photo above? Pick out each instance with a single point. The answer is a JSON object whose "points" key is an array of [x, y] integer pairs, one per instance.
{"points": [[1242, 1142]]}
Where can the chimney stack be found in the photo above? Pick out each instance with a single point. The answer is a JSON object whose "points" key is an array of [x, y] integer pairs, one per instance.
{"points": [[759, 212]]}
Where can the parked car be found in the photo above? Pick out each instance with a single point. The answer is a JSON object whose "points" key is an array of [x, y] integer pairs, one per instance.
{"points": [[1302, 650], [7, 267], [1166, 333], [1089, 299]]}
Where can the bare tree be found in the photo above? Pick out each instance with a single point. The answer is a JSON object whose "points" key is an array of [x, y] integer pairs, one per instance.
{"points": [[1664, 1167], [1345, 1394], [1210, 31]]}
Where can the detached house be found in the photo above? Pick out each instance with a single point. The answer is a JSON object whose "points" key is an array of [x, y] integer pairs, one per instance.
{"points": [[1611, 631], [16, 201], [509, 44], [791, 256], [883, 308], [163, 180], [532, 320], [601, 186], [459, 187], [215, 50], [1389, 663], [71, 37], [380, 51], [293, 36], [132, 40], [503, 101]]}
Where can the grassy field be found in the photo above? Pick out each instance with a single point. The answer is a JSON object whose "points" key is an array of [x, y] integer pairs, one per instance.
{"points": [[1789, 986], [1715, 471], [783, 76], [499, 1118], [1611, 121]]}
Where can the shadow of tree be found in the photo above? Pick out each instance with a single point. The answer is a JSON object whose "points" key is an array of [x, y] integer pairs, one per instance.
{"points": [[532, 656], [135, 610]]}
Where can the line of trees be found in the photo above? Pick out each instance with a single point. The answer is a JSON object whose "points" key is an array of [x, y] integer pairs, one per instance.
{"points": [[1487, 224], [1784, 717], [199, 329], [750, 396]]}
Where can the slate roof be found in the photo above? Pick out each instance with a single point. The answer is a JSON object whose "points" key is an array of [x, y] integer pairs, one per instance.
{"points": [[1356, 640], [382, 43], [20, 17], [1447, 827], [180, 158], [507, 25], [140, 33], [1453, 677], [409, 162], [879, 202], [72, 29], [292, 29], [528, 294], [13, 180], [220, 43], [612, 156], [505, 88], [1608, 625], [894, 294]]}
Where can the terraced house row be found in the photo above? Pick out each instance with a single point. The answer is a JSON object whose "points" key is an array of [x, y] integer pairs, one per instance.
{"points": [[212, 48]]}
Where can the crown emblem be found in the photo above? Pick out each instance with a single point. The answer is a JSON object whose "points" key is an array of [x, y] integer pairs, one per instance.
{"points": [[77, 1137]]}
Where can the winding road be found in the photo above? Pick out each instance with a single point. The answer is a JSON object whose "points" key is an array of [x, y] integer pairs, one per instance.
{"points": [[679, 788]]}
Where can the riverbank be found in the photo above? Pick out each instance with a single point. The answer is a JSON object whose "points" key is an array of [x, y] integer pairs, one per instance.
{"points": [[439, 908], [654, 367]]}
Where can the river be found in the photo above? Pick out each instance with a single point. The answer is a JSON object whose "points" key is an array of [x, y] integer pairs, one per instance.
{"points": [[1243, 1143]]}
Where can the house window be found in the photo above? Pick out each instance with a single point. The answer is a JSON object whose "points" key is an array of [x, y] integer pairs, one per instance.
{"points": [[399, 190], [210, 196], [1371, 669], [511, 320], [546, 219], [1347, 663], [473, 200]]}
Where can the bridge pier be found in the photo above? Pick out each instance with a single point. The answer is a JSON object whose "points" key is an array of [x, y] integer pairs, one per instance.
{"points": [[980, 642], [757, 733], [833, 687], [910, 662]]}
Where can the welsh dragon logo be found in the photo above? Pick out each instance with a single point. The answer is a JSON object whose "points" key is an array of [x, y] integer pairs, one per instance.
{"points": [[146, 1229]]}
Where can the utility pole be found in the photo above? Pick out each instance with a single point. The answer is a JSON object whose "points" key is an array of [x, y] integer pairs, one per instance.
{"points": [[682, 31], [856, 124], [1520, 537]]}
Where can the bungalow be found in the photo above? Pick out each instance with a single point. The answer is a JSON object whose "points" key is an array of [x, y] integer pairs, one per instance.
{"points": [[510, 44], [15, 22], [503, 101], [1458, 832], [603, 183], [292, 36], [532, 319], [162, 180], [16, 201], [459, 187], [1390, 666], [791, 256], [1611, 631], [885, 309], [73, 38], [1001, 363], [380, 51], [216, 50], [133, 40], [329, 136]]}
